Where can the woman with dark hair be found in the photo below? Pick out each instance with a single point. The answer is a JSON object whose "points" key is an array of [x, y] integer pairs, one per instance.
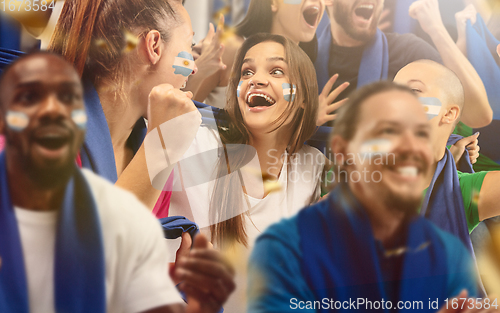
{"points": [[295, 19], [272, 107]]}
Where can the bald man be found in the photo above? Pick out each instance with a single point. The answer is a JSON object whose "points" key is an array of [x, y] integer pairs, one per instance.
{"points": [[69, 240], [455, 201]]}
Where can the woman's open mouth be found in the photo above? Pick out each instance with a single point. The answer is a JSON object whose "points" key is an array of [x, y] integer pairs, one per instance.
{"points": [[311, 16], [259, 100], [365, 11]]}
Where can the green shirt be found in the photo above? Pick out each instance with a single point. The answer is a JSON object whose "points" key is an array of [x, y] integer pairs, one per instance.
{"points": [[470, 185]]}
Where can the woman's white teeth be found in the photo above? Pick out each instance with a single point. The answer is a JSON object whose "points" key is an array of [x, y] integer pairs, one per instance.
{"points": [[408, 171], [268, 99], [366, 6], [184, 85]]}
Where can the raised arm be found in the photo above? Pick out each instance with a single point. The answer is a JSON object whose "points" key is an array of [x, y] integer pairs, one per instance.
{"points": [[488, 205], [477, 111], [166, 104]]}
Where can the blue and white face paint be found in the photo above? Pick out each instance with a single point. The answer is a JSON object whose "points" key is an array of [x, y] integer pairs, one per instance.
{"points": [[293, 1], [17, 121], [239, 89], [80, 118], [289, 91], [432, 106], [375, 147], [183, 64]]}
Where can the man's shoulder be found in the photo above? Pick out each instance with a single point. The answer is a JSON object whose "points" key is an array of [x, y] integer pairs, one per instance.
{"points": [[407, 48]]}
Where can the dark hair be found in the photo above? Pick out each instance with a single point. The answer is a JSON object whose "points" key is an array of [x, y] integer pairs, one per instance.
{"points": [[227, 195], [259, 19], [92, 34]]}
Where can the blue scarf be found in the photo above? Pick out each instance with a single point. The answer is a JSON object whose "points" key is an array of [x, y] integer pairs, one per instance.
{"points": [[10, 31], [403, 23], [343, 263], [7, 56], [374, 65], [79, 271], [443, 203], [175, 226], [481, 52], [464, 165], [97, 152]]}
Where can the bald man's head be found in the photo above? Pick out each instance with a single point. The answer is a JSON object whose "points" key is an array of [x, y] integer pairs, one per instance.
{"points": [[431, 79]]}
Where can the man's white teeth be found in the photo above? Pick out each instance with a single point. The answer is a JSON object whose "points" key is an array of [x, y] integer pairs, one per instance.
{"points": [[408, 171], [366, 6], [268, 99]]}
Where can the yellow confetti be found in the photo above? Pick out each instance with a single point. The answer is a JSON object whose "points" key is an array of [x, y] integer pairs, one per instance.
{"points": [[101, 44], [131, 41], [475, 196], [228, 34], [224, 11]]}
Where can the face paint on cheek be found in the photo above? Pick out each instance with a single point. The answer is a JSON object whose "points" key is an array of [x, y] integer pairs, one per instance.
{"points": [[239, 89], [289, 91], [432, 106], [293, 1], [17, 121], [375, 148], [80, 118], [183, 64]]}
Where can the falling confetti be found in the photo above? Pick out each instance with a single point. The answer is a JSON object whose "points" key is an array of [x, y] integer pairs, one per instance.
{"points": [[131, 41], [101, 44], [475, 197]]}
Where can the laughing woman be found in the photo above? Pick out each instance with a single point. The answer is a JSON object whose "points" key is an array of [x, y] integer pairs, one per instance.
{"points": [[272, 105], [295, 19]]}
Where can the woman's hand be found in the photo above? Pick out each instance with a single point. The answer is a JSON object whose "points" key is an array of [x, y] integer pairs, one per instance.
{"points": [[210, 50], [165, 103], [326, 98], [428, 15]]}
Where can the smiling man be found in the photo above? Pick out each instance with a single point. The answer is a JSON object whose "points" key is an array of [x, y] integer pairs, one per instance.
{"points": [[69, 240], [365, 248]]}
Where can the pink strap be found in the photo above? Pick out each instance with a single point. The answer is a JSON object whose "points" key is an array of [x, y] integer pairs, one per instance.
{"points": [[163, 204]]}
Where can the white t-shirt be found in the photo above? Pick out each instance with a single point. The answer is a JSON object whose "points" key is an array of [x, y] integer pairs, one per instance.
{"points": [[300, 186], [136, 264]]}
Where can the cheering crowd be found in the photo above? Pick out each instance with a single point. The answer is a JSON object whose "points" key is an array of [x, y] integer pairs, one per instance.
{"points": [[304, 155]]}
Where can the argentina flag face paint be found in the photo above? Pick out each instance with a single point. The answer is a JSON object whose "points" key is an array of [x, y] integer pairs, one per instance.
{"points": [[289, 91], [239, 89], [17, 121], [183, 64], [293, 1], [80, 118], [432, 106], [375, 147]]}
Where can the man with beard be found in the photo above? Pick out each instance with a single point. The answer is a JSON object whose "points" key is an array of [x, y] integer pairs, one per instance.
{"points": [[365, 248], [69, 240], [352, 46]]}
